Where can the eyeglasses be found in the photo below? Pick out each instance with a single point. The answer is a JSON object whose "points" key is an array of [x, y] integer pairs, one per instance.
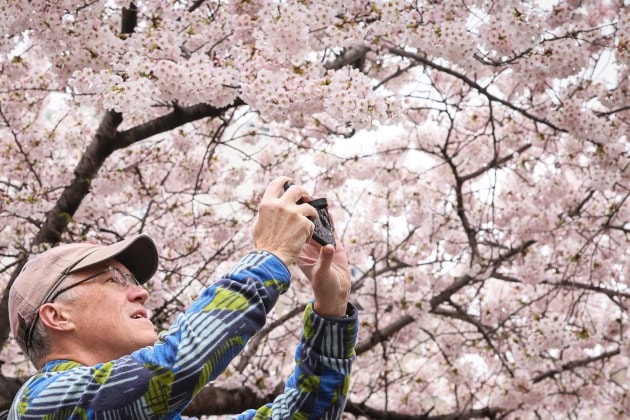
{"points": [[116, 275]]}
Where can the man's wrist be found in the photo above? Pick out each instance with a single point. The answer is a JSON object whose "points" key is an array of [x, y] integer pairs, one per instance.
{"points": [[327, 311], [286, 257], [287, 260], [331, 337]]}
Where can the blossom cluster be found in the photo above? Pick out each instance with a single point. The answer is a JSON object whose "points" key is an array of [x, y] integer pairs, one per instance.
{"points": [[475, 156]]}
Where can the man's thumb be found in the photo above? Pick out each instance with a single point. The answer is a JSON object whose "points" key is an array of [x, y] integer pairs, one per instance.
{"points": [[326, 255]]}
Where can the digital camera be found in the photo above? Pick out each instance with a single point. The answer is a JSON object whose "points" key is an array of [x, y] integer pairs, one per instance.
{"points": [[323, 233]]}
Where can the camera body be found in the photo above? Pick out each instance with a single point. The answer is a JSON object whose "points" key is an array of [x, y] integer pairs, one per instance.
{"points": [[323, 233]]}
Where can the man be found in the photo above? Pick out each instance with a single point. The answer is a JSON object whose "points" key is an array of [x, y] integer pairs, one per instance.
{"points": [[78, 311]]}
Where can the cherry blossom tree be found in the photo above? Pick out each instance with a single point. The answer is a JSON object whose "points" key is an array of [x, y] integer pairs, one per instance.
{"points": [[475, 154]]}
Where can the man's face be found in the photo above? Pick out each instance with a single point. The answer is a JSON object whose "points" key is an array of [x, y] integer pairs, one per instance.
{"points": [[110, 317]]}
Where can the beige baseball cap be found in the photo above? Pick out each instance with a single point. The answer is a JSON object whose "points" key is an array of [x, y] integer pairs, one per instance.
{"points": [[44, 273]]}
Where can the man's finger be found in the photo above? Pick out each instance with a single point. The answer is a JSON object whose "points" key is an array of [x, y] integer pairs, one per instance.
{"points": [[295, 194], [275, 188], [308, 211]]}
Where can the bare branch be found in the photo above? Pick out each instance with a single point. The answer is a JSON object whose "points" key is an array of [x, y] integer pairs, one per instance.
{"points": [[348, 56], [383, 334], [373, 413], [574, 365], [484, 91]]}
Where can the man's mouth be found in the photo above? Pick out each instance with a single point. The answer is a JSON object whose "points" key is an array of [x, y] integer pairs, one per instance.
{"points": [[139, 314]]}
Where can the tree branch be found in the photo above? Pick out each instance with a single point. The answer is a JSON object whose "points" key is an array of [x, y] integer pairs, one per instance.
{"points": [[383, 334], [177, 118], [577, 285], [484, 91], [373, 413], [348, 56], [466, 279], [254, 343], [97, 151], [217, 401], [569, 366], [129, 19]]}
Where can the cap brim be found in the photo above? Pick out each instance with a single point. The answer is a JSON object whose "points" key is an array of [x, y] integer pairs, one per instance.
{"points": [[138, 253]]}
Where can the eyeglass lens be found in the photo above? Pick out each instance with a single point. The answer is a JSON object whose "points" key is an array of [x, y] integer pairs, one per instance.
{"points": [[123, 279]]}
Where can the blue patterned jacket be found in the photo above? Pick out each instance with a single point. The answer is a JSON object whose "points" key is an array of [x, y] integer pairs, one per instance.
{"points": [[159, 381]]}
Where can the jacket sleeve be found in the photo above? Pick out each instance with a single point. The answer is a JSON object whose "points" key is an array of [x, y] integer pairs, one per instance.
{"points": [[159, 381], [318, 387]]}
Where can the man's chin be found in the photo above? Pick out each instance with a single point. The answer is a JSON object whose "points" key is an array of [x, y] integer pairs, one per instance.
{"points": [[149, 339], [146, 336]]}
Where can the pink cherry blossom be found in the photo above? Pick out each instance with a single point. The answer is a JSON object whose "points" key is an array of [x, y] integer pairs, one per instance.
{"points": [[475, 156]]}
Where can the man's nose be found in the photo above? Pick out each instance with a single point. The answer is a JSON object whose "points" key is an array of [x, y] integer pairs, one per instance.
{"points": [[137, 293]]}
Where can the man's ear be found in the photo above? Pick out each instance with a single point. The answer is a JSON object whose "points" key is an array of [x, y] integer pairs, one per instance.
{"points": [[55, 317]]}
